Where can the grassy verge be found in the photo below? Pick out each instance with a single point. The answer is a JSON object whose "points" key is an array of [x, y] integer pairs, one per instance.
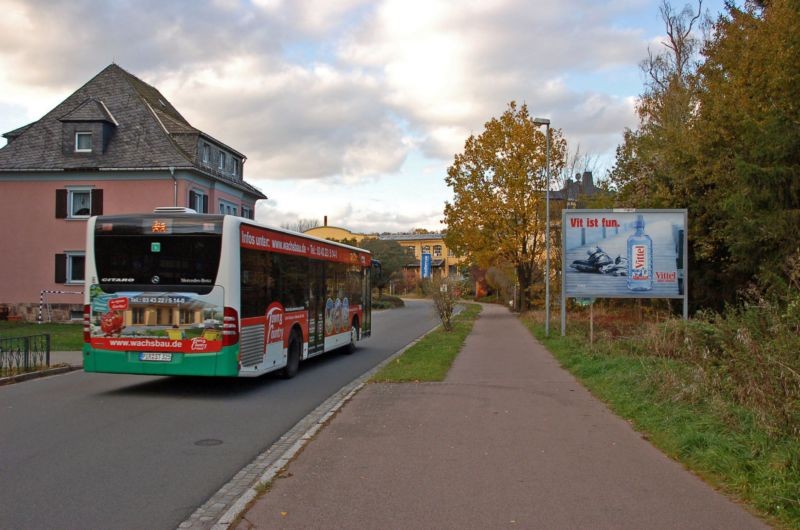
{"points": [[431, 357], [719, 440], [63, 337]]}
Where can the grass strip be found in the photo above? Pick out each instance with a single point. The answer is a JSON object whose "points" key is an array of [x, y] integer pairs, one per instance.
{"points": [[430, 359], [63, 336], [719, 441]]}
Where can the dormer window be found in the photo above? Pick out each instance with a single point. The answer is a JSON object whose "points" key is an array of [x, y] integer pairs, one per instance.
{"points": [[221, 161], [83, 142], [235, 168], [206, 153]]}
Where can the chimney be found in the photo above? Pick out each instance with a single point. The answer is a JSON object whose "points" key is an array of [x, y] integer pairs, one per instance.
{"points": [[325, 221], [588, 183]]}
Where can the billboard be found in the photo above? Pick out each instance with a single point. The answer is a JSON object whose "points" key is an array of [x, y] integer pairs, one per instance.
{"points": [[624, 253]]}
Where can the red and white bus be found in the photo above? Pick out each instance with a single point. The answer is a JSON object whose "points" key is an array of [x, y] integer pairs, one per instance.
{"points": [[180, 293]]}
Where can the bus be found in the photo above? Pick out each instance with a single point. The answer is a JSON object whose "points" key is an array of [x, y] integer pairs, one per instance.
{"points": [[180, 293]]}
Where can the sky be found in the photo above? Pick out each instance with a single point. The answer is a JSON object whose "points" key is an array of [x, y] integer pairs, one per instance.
{"points": [[350, 109]]}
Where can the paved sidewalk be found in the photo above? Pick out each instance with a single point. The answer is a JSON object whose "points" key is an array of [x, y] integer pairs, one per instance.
{"points": [[72, 358], [508, 440]]}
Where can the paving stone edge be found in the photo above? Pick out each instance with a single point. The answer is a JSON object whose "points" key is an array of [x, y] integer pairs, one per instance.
{"points": [[27, 376]]}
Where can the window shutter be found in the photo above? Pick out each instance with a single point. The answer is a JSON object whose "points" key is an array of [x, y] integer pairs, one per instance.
{"points": [[205, 204], [97, 202], [61, 204], [192, 199], [61, 268]]}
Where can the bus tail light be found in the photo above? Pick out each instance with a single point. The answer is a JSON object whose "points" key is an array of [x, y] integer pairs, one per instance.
{"points": [[230, 327], [87, 328]]}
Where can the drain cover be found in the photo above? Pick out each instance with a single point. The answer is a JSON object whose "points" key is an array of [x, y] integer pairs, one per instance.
{"points": [[208, 442]]}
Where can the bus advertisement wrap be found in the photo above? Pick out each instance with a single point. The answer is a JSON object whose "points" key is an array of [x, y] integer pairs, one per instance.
{"points": [[274, 241], [135, 320], [624, 254]]}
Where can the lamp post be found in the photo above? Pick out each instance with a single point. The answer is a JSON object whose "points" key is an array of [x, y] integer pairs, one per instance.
{"points": [[546, 123]]}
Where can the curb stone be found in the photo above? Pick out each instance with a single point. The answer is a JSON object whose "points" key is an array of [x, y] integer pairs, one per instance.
{"points": [[27, 376], [233, 498]]}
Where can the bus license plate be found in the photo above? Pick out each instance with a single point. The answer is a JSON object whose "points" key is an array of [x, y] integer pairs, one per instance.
{"points": [[155, 356]]}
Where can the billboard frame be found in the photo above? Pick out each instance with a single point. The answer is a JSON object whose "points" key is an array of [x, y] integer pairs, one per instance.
{"points": [[684, 296]]}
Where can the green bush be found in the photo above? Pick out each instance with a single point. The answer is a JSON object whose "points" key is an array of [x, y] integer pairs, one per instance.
{"points": [[387, 302]]}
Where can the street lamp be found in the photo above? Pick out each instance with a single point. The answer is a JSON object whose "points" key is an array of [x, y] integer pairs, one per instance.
{"points": [[546, 123]]}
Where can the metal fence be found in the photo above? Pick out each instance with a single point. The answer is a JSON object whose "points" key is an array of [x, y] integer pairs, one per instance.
{"points": [[24, 354]]}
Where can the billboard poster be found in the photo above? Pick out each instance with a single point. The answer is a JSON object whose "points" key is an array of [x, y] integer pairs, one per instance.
{"points": [[624, 253], [425, 265]]}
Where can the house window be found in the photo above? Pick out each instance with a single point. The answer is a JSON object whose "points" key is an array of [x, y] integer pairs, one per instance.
{"points": [[70, 267], [221, 161], [235, 168], [79, 203], [198, 201], [412, 250], [426, 249], [450, 253], [226, 208], [247, 213], [437, 251], [83, 142], [76, 262], [206, 153]]}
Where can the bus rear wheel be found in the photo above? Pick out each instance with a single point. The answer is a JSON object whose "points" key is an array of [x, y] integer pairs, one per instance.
{"points": [[292, 358]]}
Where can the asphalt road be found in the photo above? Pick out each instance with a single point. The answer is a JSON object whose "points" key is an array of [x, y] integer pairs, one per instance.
{"points": [[116, 451]]}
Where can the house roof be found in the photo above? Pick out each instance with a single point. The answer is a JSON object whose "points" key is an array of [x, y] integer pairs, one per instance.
{"points": [[149, 132], [411, 237], [90, 110]]}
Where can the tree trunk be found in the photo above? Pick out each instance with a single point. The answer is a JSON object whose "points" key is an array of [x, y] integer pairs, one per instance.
{"points": [[524, 277]]}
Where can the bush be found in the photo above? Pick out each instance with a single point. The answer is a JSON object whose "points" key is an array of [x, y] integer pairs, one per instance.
{"points": [[747, 355], [386, 301], [445, 293]]}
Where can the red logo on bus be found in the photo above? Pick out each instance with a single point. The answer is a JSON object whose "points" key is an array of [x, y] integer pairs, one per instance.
{"points": [[275, 323], [118, 304], [199, 344]]}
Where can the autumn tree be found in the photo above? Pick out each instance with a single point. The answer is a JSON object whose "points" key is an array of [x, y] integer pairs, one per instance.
{"points": [[652, 162], [499, 181]]}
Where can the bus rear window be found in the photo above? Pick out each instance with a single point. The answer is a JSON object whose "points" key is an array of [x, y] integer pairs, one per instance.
{"points": [[182, 262]]}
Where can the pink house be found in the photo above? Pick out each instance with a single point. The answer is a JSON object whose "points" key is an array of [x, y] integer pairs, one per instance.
{"points": [[116, 145]]}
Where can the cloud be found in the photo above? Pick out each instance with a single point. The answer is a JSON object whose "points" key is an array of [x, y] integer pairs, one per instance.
{"points": [[449, 70], [339, 92], [293, 122]]}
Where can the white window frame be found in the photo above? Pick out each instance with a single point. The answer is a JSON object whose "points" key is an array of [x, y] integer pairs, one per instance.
{"points": [[206, 153], [437, 251], [77, 143], [221, 164], [71, 255], [71, 199], [235, 168]]}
